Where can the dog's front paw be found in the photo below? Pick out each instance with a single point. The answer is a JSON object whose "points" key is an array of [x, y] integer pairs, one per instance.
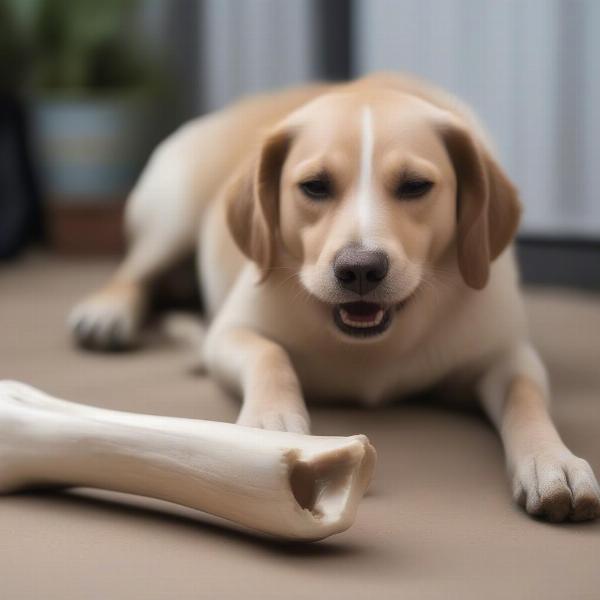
{"points": [[276, 420], [557, 485], [109, 319]]}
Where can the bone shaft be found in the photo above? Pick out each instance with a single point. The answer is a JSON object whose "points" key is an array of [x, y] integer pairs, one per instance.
{"points": [[192, 469]]}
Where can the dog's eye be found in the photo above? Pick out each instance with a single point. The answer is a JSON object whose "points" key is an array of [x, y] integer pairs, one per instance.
{"points": [[316, 189], [413, 188]]}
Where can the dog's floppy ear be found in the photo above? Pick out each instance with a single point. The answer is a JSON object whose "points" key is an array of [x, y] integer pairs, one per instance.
{"points": [[488, 207], [253, 201]]}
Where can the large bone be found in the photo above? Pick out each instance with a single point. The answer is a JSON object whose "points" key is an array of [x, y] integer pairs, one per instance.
{"points": [[286, 484]]}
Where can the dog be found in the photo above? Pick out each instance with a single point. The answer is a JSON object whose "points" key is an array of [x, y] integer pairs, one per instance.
{"points": [[353, 243]]}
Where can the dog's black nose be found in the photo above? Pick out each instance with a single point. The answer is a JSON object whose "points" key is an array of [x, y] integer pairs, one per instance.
{"points": [[359, 269]]}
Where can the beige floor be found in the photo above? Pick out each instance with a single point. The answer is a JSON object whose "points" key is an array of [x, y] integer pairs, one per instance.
{"points": [[438, 522]]}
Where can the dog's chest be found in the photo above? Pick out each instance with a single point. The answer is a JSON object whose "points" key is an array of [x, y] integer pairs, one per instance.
{"points": [[368, 378]]}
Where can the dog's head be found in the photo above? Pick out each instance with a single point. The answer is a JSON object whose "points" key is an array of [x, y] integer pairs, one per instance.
{"points": [[370, 193]]}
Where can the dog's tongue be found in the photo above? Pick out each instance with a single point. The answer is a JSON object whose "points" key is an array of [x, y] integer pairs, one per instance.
{"points": [[361, 311]]}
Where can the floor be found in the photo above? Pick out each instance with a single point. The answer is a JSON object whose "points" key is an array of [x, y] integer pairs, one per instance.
{"points": [[437, 522]]}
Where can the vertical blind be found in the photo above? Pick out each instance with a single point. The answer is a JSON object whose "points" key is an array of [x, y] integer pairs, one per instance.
{"points": [[530, 68], [254, 45]]}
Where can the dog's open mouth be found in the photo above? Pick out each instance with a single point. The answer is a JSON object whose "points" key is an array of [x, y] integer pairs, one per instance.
{"points": [[362, 319]]}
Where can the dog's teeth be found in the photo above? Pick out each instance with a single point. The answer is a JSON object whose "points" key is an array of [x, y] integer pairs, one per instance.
{"points": [[347, 319]]}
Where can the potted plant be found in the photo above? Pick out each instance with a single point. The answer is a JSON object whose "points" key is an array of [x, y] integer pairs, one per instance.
{"points": [[94, 114]]}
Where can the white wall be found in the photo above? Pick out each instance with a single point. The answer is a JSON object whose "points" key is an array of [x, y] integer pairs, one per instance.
{"points": [[531, 69]]}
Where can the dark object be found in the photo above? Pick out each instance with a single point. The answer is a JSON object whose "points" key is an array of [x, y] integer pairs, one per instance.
{"points": [[20, 213], [333, 22], [360, 270], [560, 261]]}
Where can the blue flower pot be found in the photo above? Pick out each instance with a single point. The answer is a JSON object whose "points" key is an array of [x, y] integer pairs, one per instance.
{"points": [[92, 148]]}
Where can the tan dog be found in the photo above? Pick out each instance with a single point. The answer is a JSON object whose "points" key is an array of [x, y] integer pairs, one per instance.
{"points": [[361, 251]]}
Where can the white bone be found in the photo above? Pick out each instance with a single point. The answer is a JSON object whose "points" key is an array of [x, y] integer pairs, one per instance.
{"points": [[286, 484]]}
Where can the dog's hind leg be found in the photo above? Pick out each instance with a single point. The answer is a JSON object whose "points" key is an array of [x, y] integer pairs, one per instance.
{"points": [[162, 220]]}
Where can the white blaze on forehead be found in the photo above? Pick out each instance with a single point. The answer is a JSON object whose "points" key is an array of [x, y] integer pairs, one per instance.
{"points": [[365, 195]]}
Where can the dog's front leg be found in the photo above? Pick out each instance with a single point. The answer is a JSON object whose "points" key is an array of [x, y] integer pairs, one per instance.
{"points": [[261, 371], [548, 480]]}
